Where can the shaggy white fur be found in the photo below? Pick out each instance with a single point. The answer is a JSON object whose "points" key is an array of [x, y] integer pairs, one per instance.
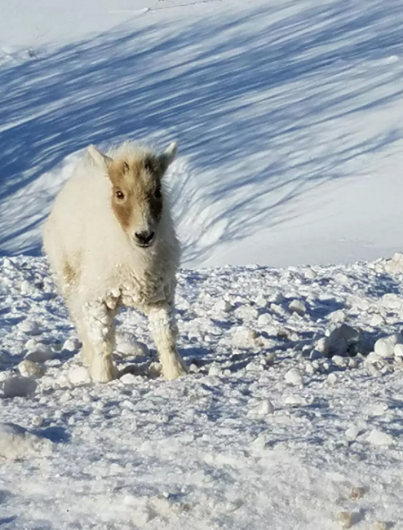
{"points": [[99, 267]]}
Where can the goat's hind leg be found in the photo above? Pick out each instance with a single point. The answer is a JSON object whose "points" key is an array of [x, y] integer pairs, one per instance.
{"points": [[77, 316]]}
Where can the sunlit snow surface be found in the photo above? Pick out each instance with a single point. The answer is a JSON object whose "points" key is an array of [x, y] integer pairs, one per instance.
{"points": [[240, 442], [288, 117], [289, 121]]}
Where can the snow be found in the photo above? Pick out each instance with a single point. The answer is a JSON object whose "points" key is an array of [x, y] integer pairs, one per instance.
{"points": [[261, 433], [287, 114], [288, 117], [79, 375], [29, 368], [18, 443], [18, 386], [294, 377], [377, 437]]}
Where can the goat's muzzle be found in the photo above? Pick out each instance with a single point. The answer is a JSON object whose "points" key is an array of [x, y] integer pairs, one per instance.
{"points": [[144, 239]]}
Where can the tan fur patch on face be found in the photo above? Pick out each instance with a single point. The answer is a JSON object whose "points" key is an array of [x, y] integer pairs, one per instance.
{"points": [[136, 190]]}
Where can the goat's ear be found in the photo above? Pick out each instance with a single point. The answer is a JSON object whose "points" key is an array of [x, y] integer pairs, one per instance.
{"points": [[167, 157], [99, 158]]}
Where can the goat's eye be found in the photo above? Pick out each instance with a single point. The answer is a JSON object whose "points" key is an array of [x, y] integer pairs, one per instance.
{"points": [[157, 194], [125, 167], [148, 166], [120, 195]]}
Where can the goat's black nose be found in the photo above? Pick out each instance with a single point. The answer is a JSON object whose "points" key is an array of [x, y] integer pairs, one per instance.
{"points": [[144, 238]]}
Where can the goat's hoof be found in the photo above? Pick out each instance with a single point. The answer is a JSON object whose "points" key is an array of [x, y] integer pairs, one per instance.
{"points": [[103, 379], [104, 376], [173, 372]]}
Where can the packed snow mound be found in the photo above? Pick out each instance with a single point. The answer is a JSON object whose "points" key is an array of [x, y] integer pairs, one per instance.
{"points": [[17, 443], [290, 416]]}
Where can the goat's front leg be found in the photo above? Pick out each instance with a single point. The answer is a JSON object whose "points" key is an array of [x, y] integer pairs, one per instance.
{"points": [[161, 318], [101, 336]]}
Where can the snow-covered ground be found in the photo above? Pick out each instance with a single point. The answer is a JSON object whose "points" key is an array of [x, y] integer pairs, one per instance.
{"points": [[289, 121], [288, 117], [265, 432]]}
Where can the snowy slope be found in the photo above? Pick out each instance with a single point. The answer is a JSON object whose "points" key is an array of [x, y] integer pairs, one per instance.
{"points": [[288, 117], [265, 432]]}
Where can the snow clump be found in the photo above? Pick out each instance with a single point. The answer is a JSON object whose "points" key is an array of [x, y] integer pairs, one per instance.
{"points": [[16, 442], [18, 387]]}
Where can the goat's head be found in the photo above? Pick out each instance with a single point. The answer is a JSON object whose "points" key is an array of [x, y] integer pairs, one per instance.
{"points": [[136, 198]]}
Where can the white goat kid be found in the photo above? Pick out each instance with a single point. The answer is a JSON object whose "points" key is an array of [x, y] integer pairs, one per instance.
{"points": [[110, 242]]}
